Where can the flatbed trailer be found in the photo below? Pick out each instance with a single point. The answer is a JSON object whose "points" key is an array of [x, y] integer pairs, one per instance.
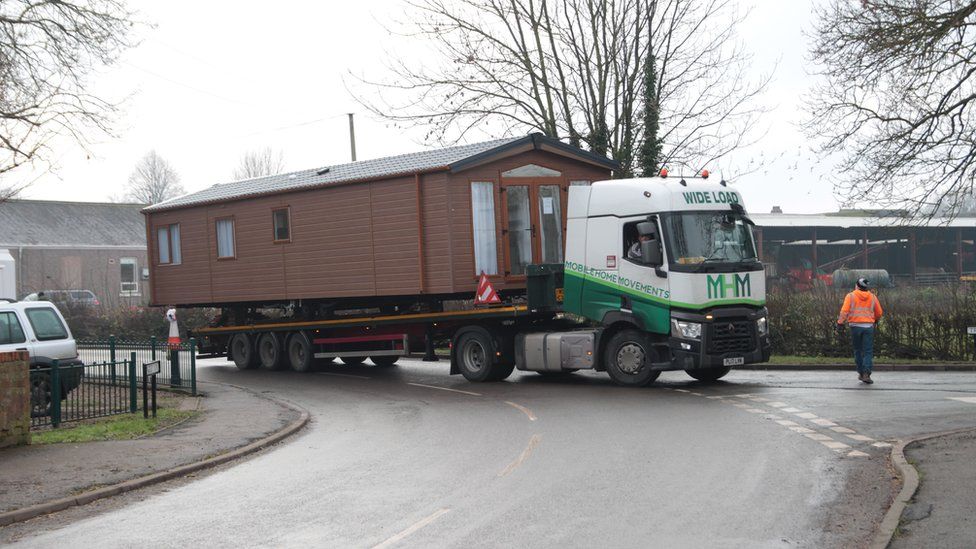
{"points": [[381, 338]]}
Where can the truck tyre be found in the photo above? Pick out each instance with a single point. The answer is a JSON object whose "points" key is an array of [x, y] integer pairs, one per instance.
{"points": [[475, 355], [270, 352], [242, 352], [299, 352], [708, 374], [628, 357], [352, 360], [384, 361]]}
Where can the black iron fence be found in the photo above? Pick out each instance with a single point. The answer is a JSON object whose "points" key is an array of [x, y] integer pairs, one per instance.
{"points": [[75, 392], [178, 362]]}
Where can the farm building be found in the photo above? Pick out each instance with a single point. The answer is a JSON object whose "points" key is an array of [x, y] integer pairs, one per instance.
{"points": [[937, 251], [426, 224]]}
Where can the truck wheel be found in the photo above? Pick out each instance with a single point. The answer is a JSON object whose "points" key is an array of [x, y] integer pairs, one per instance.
{"points": [[352, 360], [242, 352], [40, 396], [475, 356], [628, 357], [270, 352], [299, 352], [384, 361], [502, 371], [708, 374]]}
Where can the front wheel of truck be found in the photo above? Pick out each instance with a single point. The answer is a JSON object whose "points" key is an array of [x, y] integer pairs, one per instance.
{"points": [[709, 374], [628, 357]]}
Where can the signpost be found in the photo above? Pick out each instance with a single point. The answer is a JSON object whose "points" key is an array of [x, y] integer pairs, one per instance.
{"points": [[971, 330], [149, 370]]}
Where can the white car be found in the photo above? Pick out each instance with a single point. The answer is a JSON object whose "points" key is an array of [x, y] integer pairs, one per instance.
{"points": [[38, 328]]}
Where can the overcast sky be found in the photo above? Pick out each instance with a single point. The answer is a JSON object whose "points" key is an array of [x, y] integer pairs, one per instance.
{"points": [[215, 79]]}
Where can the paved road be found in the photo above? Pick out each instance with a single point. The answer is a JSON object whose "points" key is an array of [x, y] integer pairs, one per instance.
{"points": [[412, 457]]}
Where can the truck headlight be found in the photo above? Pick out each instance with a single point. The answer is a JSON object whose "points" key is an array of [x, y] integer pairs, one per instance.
{"points": [[687, 330], [762, 326]]}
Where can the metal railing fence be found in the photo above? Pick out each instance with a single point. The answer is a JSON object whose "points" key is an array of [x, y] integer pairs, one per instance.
{"points": [[178, 363], [60, 394]]}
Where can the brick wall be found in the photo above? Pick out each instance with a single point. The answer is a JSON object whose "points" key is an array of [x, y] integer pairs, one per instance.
{"points": [[14, 399]]}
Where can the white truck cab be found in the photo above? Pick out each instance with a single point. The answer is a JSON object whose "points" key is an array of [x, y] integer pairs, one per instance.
{"points": [[667, 271]]}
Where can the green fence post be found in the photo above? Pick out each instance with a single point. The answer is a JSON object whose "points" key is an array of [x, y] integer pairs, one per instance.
{"points": [[111, 357], [133, 392], [193, 366], [152, 340], [55, 394]]}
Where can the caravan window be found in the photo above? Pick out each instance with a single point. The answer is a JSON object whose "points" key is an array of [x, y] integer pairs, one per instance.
{"points": [[483, 225]]}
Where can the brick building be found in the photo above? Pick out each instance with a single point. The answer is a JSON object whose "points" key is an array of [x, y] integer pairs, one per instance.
{"points": [[99, 247]]}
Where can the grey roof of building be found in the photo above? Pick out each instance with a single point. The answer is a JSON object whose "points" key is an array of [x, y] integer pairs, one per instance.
{"points": [[81, 224], [391, 166]]}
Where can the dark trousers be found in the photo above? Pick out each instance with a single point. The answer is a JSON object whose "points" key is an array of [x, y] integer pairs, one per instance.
{"points": [[863, 340]]}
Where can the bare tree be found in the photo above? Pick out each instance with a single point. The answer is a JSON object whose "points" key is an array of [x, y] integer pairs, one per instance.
{"points": [[897, 99], [260, 162], [576, 69], [153, 180], [48, 50]]}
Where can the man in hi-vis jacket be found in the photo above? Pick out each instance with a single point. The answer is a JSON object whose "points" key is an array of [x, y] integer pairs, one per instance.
{"points": [[861, 311]]}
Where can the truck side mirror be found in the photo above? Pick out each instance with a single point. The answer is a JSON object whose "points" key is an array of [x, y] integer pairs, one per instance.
{"points": [[651, 253]]}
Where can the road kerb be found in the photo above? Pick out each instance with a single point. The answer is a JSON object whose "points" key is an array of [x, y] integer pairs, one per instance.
{"points": [[910, 480], [34, 511]]}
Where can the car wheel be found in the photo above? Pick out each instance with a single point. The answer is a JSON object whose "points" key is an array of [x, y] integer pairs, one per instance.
{"points": [[40, 395]]}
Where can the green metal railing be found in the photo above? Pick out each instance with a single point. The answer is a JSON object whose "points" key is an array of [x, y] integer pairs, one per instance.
{"points": [[178, 363], [60, 394]]}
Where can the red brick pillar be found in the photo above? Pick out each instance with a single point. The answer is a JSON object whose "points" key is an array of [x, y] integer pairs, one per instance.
{"points": [[14, 399]]}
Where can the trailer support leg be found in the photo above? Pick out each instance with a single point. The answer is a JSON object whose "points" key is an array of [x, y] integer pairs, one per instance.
{"points": [[429, 355]]}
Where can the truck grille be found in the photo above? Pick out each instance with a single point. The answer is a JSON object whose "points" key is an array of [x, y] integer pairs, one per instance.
{"points": [[731, 336]]}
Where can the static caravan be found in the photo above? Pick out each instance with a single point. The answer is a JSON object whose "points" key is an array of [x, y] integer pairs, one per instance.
{"points": [[401, 230]]}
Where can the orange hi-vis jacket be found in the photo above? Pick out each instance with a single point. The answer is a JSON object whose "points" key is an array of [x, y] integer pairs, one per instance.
{"points": [[860, 306]]}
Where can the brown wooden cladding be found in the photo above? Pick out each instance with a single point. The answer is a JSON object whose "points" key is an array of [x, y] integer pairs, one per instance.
{"points": [[352, 240]]}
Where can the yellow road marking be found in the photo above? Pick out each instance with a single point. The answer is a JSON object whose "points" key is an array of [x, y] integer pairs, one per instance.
{"points": [[533, 442], [524, 410], [445, 389], [411, 529]]}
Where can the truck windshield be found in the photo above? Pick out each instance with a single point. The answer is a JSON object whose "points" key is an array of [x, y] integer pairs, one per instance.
{"points": [[694, 238]]}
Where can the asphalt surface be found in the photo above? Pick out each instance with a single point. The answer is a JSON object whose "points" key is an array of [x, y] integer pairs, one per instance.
{"points": [[394, 458], [943, 513]]}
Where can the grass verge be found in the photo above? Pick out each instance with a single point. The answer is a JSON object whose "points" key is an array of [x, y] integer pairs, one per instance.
{"points": [[121, 427]]}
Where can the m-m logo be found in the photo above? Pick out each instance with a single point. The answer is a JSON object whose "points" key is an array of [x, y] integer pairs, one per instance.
{"points": [[727, 285]]}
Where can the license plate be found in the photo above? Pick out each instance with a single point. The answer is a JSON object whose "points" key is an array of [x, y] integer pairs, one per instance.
{"points": [[734, 361]]}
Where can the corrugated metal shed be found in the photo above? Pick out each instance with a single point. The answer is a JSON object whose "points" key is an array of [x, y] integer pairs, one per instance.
{"points": [[845, 221], [450, 158], [71, 224]]}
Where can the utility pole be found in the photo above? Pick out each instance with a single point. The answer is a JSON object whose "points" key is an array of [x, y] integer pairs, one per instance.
{"points": [[352, 136]]}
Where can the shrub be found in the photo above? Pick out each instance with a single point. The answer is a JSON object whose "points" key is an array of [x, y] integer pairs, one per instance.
{"points": [[919, 322], [131, 322]]}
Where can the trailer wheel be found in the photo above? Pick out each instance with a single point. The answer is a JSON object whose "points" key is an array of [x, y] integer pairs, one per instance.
{"points": [[242, 352], [270, 352], [708, 374], [384, 361], [352, 360], [475, 356], [628, 357], [299, 352]]}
